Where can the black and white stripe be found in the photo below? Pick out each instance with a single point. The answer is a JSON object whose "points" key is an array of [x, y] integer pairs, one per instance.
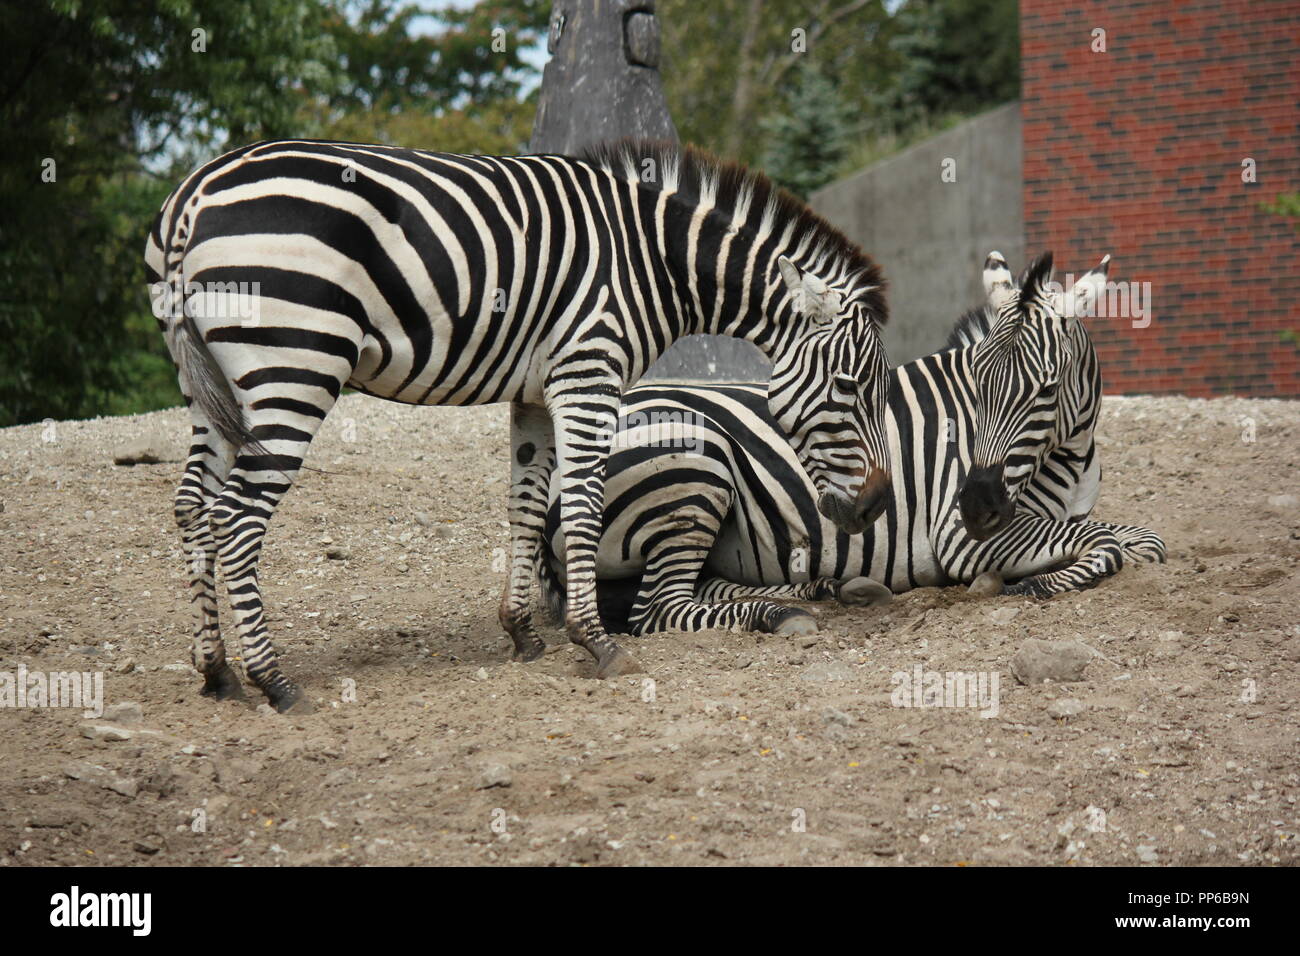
{"points": [[995, 469], [548, 282]]}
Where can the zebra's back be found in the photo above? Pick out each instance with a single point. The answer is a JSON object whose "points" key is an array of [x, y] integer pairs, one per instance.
{"points": [[437, 277], [772, 532]]}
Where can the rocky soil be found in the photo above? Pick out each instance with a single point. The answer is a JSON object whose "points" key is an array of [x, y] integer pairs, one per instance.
{"points": [[1175, 743]]}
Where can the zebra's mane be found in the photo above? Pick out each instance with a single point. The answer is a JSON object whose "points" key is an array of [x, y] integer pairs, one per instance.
{"points": [[971, 328], [695, 173]]}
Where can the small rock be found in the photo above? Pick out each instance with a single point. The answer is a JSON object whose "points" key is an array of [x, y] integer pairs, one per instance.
{"points": [[52, 820], [338, 554], [833, 716], [126, 666], [423, 519], [1060, 661], [481, 674], [1066, 707], [141, 451], [1147, 854], [495, 775], [147, 846], [1004, 615], [102, 777], [104, 732], [1284, 502], [988, 584], [127, 712]]}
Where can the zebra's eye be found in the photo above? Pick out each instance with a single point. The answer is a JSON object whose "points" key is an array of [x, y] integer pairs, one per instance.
{"points": [[845, 384], [1047, 391]]}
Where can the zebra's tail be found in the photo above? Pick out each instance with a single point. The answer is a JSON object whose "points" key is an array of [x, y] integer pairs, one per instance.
{"points": [[201, 376], [208, 387], [552, 588], [615, 599]]}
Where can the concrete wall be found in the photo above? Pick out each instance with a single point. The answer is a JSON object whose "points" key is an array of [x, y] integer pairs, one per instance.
{"points": [[930, 236]]}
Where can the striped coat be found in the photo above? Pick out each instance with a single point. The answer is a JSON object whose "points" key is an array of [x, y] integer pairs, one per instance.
{"points": [[284, 271], [710, 520]]}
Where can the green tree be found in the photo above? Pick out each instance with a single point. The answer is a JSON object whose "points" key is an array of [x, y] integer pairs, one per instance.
{"points": [[954, 56], [728, 64], [107, 103], [807, 143], [457, 90], [98, 97]]}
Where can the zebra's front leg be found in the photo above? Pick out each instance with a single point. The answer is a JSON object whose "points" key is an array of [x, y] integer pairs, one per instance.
{"points": [[1049, 557], [532, 460], [1138, 544], [585, 419]]}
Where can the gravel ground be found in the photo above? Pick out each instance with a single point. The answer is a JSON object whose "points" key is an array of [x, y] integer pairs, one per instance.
{"points": [[1178, 744]]}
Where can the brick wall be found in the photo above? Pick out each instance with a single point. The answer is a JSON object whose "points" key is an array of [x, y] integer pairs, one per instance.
{"points": [[1138, 151]]}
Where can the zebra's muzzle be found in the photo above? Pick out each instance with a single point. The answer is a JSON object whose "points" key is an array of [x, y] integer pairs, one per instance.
{"points": [[985, 506], [855, 515]]}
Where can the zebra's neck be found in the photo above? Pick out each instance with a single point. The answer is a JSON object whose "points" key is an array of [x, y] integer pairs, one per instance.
{"points": [[723, 263], [717, 230]]}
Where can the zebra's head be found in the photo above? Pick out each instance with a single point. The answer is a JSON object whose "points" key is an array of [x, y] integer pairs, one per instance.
{"points": [[828, 393], [1030, 376]]}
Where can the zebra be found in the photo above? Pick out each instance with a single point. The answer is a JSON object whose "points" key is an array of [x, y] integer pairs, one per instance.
{"points": [[548, 282], [993, 453]]}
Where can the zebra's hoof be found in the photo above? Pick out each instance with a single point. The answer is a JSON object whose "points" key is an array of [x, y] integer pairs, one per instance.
{"points": [[532, 652], [222, 684], [794, 622], [289, 699], [864, 592], [617, 663], [987, 584]]}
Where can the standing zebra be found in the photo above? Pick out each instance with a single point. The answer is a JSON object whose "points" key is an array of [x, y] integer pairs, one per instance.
{"points": [[994, 464], [285, 270]]}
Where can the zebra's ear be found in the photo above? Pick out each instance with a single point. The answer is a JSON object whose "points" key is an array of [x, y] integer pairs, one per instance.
{"points": [[1036, 282], [1081, 300], [790, 273], [997, 280], [809, 293]]}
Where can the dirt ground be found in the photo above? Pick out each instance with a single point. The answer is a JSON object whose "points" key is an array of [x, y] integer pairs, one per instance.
{"points": [[1179, 745]]}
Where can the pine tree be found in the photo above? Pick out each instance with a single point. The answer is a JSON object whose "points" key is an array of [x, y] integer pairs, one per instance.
{"points": [[809, 139]]}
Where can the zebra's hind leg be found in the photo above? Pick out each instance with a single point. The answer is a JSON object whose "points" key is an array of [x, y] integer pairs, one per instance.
{"points": [[205, 474], [673, 597], [585, 415], [856, 592], [677, 606], [257, 483], [532, 460]]}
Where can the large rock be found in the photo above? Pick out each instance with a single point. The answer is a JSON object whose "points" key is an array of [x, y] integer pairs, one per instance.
{"points": [[1059, 661]]}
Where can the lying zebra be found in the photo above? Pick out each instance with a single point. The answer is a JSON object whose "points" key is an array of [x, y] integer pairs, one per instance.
{"points": [[994, 463]]}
